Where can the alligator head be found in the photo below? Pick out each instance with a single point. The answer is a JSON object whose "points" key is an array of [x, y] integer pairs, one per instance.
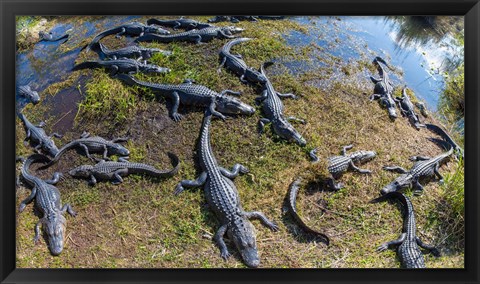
{"points": [[230, 105], [54, 226], [117, 149], [156, 30], [230, 30], [83, 171], [29, 95], [401, 182], [255, 76], [50, 147], [242, 234], [363, 156], [286, 131], [149, 68], [390, 106]]}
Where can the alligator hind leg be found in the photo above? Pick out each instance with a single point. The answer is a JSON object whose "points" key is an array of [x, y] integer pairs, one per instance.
{"points": [[259, 216], [362, 171], [236, 170], [230, 92], [345, 148], [37, 232], [335, 186], [27, 200], [398, 241], [41, 124], [375, 97], [433, 250], [68, 208], [176, 103], [191, 183], [198, 39], [419, 158], [55, 178], [118, 176], [87, 153], [396, 169], [218, 237], [214, 111], [219, 70]]}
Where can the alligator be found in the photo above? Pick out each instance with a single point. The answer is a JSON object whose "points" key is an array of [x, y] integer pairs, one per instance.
{"points": [[292, 208], [133, 51], [38, 138], [422, 168], [383, 90], [236, 19], [273, 110], [122, 65], [47, 200], [407, 109], [439, 131], [182, 23], [408, 244], [95, 144], [24, 96], [44, 36], [222, 197], [196, 36], [189, 93], [237, 65], [131, 29], [114, 171]]}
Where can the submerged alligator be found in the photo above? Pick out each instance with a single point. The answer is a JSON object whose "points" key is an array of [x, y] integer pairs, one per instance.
{"points": [[44, 36], [407, 109], [383, 90], [236, 19], [439, 131], [114, 171], [38, 138], [133, 51], [24, 96], [292, 208], [189, 93], [122, 65], [273, 109], [408, 244], [222, 197], [196, 36], [183, 23], [237, 65], [131, 29], [47, 200]]}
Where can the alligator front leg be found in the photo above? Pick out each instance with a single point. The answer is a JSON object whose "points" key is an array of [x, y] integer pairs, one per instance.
{"points": [[220, 242], [242, 78], [55, 178], [117, 176], [176, 103], [56, 135], [362, 171], [259, 216], [113, 70], [225, 35], [191, 183], [433, 250], [27, 200], [335, 186], [419, 158], [262, 123], [398, 241], [105, 153], [345, 148], [375, 97], [236, 170], [68, 208], [262, 97], [396, 169], [288, 95], [219, 70], [197, 39], [92, 181], [437, 173], [27, 137]]}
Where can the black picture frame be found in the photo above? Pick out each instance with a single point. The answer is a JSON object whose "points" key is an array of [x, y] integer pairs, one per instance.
{"points": [[9, 274]]}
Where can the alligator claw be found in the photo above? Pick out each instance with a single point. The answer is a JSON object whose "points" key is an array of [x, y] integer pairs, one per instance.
{"points": [[178, 189], [274, 227], [177, 117], [441, 182]]}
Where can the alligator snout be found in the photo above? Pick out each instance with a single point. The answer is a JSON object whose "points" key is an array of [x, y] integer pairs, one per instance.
{"points": [[250, 257]]}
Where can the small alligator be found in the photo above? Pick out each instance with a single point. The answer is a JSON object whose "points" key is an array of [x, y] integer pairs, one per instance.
{"points": [[24, 96], [133, 51], [383, 90], [122, 65], [408, 244], [183, 23], [236, 19], [131, 29], [47, 200], [114, 171], [192, 94], [44, 36], [196, 36], [292, 208], [237, 65], [273, 110], [95, 144], [38, 138], [407, 109], [439, 131], [222, 197], [422, 168]]}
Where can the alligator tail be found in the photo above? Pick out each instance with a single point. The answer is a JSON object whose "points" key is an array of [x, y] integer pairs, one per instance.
{"points": [[29, 161], [147, 169], [60, 153], [86, 65], [228, 45], [292, 207], [102, 35]]}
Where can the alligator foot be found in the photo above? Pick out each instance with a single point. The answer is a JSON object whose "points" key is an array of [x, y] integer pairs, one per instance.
{"points": [[260, 216], [313, 155], [176, 117]]}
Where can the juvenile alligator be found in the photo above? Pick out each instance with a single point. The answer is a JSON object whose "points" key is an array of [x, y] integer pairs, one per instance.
{"points": [[122, 65], [439, 131], [182, 23], [192, 94], [24, 96], [408, 244], [422, 168], [44, 36], [273, 110], [237, 65], [47, 200], [133, 51], [38, 138], [222, 197], [114, 171], [95, 144], [407, 109], [131, 29], [196, 36], [292, 208], [383, 90]]}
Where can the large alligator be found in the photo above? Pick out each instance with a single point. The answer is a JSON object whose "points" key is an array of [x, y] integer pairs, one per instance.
{"points": [[132, 51], [189, 93], [292, 208], [44, 36], [38, 138], [422, 168], [95, 144], [407, 109], [114, 171], [47, 200], [122, 65], [236, 19], [408, 244], [237, 65], [383, 90], [183, 23], [196, 36], [222, 197], [131, 29], [439, 131], [273, 111], [24, 96]]}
